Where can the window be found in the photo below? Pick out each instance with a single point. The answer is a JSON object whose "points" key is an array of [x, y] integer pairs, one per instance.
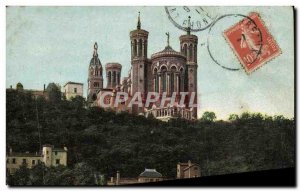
{"points": [[190, 52], [109, 77], [33, 162], [24, 161], [47, 152], [164, 78], [140, 48], [57, 161], [195, 168], [114, 76], [96, 84], [55, 152], [7, 161], [75, 90], [14, 161], [173, 80]]}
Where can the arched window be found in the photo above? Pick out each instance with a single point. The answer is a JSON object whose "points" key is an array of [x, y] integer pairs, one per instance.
{"points": [[145, 48], [164, 78], [173, 80], [114, 77], [190, 52], [155, 80], [109, 77], [118, 78], [185, 49], [140, 48], [180, 79], [96, 84], [134, 47], [100, 72]]}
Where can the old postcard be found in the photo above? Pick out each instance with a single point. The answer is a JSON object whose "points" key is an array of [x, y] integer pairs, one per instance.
{"points": [[165, 95]]}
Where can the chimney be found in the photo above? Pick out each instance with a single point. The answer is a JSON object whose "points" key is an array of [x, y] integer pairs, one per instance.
{"points": [[190, 164], [112, 179], [118, 178]]}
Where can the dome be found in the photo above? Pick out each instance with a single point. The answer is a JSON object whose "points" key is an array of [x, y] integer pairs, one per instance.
{"points": [[168, 52], [95, 61]]}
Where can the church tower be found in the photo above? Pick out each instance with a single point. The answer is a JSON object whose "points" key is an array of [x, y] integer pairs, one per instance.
{"points": [[139, 42], [188, 46], [95, 77]]}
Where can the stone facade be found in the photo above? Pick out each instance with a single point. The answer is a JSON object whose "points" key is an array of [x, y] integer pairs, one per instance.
{"points": [[188, 170], [167, 71], [73, 89], [50, 156]]}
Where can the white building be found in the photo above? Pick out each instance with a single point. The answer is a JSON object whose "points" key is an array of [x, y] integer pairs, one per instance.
{"points": [[73, 89], [50, 156]]}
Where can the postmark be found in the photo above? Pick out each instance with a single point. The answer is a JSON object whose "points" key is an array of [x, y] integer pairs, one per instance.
{"points": [[251, 42], [201, 17], [215, 40]]}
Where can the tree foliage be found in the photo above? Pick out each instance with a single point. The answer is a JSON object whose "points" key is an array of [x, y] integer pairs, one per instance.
{"points": [[104, 142], [208, 116]]}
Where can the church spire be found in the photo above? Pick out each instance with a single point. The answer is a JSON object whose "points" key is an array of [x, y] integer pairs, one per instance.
{"points": [[139, 22], [189, 26], [95, 49]]}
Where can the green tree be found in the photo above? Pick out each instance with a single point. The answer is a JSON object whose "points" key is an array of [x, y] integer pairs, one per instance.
{"points": [[208, 116], [233, 117], [21, 177], [54, 92]]}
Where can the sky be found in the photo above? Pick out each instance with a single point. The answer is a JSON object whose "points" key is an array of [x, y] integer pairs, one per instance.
{"points": [[55, 44]]}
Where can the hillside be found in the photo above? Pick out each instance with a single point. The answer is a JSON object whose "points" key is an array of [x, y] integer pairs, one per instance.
{"points": [[106, 142]]}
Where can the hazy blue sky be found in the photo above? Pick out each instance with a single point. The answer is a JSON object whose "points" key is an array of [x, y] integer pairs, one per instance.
{"points": [[55, 44]]}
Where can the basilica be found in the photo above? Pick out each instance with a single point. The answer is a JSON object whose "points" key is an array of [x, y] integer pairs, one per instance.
{"points": [[167, 72]]}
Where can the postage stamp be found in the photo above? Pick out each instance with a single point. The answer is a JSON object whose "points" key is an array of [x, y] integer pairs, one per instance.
{"points": [[252, 43]]}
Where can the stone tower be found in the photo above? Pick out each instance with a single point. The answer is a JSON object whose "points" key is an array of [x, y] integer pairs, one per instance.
{"points": [[95, 77], [188, 46], [139, 42], [47, 155], [113, 74]]}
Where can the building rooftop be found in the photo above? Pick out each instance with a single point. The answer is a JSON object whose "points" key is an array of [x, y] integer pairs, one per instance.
{"points": [[77, 83], [168, 52], [151, 173], [15, 154]]}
